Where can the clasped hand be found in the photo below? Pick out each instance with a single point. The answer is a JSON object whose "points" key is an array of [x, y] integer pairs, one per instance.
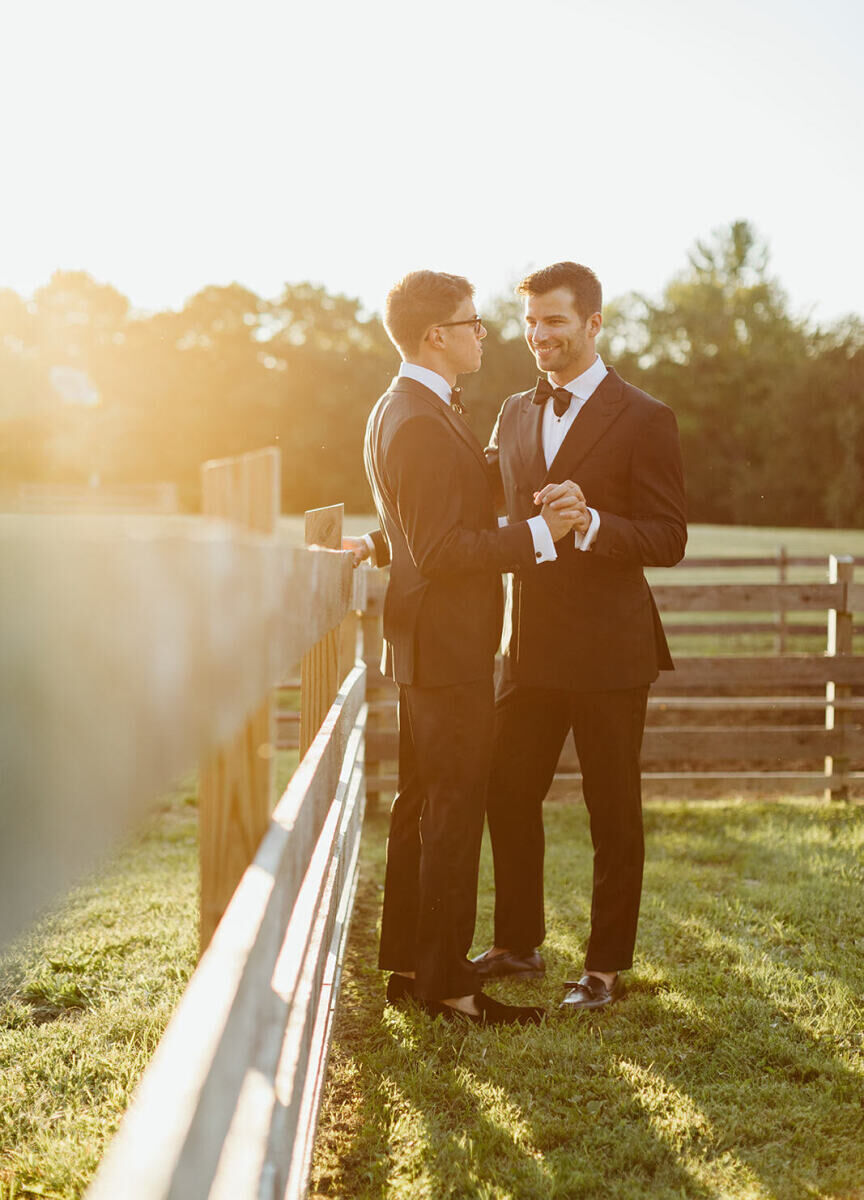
{"points": [[562, 507]]}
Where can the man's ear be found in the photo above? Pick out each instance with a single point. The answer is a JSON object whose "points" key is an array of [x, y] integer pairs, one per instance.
{"points": [[435, 338], [595, 322]]}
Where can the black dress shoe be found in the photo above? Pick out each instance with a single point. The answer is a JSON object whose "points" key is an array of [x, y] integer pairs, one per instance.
{"points": [[590, 992], [491, 1012], [400, 988], [510, 964]]}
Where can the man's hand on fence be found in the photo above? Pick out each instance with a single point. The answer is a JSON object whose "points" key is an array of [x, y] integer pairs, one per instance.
{"points": [[359, 547]]}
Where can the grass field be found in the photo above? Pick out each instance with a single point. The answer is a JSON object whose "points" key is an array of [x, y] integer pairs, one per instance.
{"points": [[84, 1000], [85, 997], [732, 1070]]}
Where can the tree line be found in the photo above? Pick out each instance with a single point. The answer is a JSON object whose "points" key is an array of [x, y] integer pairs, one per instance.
{"points": [[770, 405]]}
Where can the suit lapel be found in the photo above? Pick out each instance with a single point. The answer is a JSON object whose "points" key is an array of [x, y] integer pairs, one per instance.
{"points": [[530, 441], [403, 384], [597, 414]]}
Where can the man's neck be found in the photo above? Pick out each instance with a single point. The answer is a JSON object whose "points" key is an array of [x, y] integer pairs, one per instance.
{"points": [[434, 364], [573, 371]]}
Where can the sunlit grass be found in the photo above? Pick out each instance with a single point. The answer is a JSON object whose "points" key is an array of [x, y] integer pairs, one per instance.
{"points": [[733, 1067], [86, 996], [84, 999]]}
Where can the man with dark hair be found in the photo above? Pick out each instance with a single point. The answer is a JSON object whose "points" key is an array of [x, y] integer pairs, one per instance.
{"points": [[442, 624], [586, 639]]}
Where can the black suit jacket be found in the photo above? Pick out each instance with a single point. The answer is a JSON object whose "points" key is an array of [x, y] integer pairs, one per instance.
{"points": [[431, 486], [588, 620]]}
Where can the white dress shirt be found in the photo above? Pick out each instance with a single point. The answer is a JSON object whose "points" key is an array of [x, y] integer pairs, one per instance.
{"points": [[554, 431]]}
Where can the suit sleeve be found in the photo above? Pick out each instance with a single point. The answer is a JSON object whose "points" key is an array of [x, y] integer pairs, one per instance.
{"points": [[382, 547], [493, 465], [655, 535], [427, 475]]}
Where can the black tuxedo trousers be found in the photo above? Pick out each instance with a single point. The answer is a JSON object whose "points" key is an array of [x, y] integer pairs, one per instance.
{"points": [[531, 727], [436, 828]]}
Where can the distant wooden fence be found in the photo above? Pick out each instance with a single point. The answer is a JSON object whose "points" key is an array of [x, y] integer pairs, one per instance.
{"points": [[754, 723], [131, 647]]}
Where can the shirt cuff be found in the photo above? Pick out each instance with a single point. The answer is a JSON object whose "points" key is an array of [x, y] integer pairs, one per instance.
{"points": [[544, 547], [373, 557], [584, 541]]}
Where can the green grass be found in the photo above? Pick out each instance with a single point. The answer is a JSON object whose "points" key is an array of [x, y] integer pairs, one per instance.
{"points": [[84, 999], [86, 996], [732, 1069]]}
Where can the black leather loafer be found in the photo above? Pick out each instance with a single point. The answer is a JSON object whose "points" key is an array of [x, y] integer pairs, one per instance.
{"points": [[590, 992], [492, 1012], [399, 990], [500, 966]]}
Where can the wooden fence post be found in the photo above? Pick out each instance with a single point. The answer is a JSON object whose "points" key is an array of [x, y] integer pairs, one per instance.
{"points": [[235, 782], [840, 570], [319, 671]]}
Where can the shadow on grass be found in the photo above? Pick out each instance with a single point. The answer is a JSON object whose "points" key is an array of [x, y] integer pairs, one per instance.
{"points": [[730, 1069]]}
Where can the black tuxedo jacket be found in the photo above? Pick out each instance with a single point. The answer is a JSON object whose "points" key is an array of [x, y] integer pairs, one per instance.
{"points": [[431, 486], [588, 621]]}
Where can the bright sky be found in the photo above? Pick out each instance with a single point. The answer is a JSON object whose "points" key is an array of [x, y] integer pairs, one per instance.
{"points": [[168, 145]]}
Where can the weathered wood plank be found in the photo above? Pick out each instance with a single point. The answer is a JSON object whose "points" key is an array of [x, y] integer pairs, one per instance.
{"points": [[662, 784], [792, 560], [838, 756], [235, 782], [225, 1044], [707, 746], [748, 597], [659, 784], [855, 597], [319, 670], [88, 604], [697, 744], [791, 672], [323, 526], [750, 703]]}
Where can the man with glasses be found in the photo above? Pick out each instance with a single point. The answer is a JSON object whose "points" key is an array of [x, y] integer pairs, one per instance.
{"points": [[442, 624]]}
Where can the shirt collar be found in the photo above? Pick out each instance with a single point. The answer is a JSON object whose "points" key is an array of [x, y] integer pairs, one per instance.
{"points": [[585, 385], [430, 379]]}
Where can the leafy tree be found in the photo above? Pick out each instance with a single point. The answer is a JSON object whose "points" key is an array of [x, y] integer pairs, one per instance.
{"points": [[770, 408], [722, 349]]}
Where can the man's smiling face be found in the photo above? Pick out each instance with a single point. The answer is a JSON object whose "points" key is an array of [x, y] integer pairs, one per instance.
{"points": [[560, 338]]}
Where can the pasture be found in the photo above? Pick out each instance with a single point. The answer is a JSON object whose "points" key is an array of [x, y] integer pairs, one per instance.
{"points": [[734, 1068]]}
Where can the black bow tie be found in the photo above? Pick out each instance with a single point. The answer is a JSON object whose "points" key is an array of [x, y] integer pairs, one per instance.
{"points": [[560, 396], [456, 401]]}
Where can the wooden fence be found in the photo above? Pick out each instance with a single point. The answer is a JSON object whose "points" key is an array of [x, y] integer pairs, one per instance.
{"points": [[769, 723], [132, 647]]}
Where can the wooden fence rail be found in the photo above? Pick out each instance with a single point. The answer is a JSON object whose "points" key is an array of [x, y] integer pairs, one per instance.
{"points": [[231, 1095], [131, 648], [718, 720]]}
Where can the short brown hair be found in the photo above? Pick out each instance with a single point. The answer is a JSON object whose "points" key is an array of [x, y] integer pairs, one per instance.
{"points": [[583, 284], [420, 300]]}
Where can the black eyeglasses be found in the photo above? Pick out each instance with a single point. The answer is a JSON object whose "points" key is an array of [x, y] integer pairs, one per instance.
{"points": [[477, 322]]}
